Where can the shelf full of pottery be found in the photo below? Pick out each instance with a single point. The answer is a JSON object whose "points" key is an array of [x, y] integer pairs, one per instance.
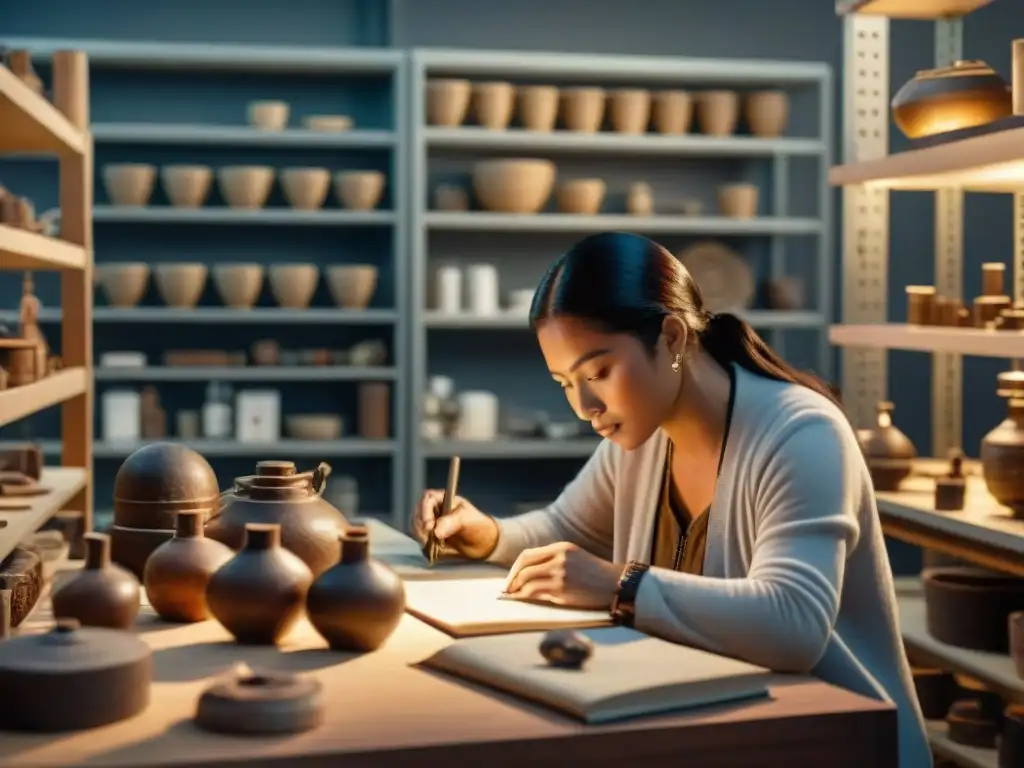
{"points": [[966, 126], [955, 506], [28, 241], [991, 327]]}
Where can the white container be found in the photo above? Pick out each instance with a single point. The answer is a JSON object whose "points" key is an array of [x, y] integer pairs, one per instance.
{"points": [[258, 416], [122, 416], [441, 387], [482, 294], [217, 416], [448, 290], [478, 416]]}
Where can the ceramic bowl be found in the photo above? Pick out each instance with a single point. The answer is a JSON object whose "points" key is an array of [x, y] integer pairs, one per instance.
{"points": [[129, 183], [447, 101], [352, 285], [767, 113], [513, 186], [583, 109], [314, 426], [493, 104], [239, 285], [186, 186], [124, 284], [738, 201], [538, 107], [245, 186], [581, 196], [180, 285], [448, 197], [269, 115], [305, 189], [359, 190], [718, 112], [328, 123], [293, 285], [629, 110]]}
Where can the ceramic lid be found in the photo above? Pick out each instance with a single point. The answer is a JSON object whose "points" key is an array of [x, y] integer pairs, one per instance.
{"points": [[966, 68], [165, 472], [69, 647]]}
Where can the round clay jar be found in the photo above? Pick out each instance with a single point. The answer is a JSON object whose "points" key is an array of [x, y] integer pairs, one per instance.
{"points": [[102, 594]]}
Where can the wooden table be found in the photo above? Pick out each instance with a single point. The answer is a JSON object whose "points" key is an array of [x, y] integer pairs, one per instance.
{"points": [[383, 712]]}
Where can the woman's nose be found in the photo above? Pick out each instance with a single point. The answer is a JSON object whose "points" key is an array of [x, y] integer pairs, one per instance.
{"points": [[589, 404]]}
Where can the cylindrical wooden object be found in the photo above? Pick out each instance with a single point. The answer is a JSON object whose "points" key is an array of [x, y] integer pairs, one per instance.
{"points": [[1018, 77], [71, 86], [920, 304], [993, 279], [374, 410], [988, 308]]}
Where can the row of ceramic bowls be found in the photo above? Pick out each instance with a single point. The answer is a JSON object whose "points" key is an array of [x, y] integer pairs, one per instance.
{"points": [[242, 186], [274, 116], [583, 109], [239, 285]]}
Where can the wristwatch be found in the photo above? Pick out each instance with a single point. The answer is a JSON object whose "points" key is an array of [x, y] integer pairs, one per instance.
{"points": [[624, 603]]}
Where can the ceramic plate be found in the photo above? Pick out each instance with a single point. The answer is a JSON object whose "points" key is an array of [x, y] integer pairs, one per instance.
{"points": [[724, 278]]}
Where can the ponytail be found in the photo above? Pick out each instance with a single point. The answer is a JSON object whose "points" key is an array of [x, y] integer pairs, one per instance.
{"points": [[730, 339]]}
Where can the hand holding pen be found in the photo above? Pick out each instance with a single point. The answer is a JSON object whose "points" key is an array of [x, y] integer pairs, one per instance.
{"points": [[464, 531]]}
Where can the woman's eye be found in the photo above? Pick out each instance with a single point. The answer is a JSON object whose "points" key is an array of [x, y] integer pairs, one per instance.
{"points": [[598, 376]]}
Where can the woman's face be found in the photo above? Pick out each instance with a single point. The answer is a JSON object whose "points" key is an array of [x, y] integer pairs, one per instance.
{"points": [[611, 380]]}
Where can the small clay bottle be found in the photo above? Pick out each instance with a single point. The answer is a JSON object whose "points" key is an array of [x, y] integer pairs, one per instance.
{"points": [[358, 603], [951, 489], [179, 570], [259, 594], [102, 594]]}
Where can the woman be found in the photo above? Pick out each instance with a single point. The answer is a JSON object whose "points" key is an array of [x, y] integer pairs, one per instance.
{"points": [[730, 485]]}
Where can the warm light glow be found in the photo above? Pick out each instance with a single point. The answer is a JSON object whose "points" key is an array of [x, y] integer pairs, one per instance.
{"points": [[1001, 177]]}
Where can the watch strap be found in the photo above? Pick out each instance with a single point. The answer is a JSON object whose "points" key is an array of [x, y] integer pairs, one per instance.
{"points": [[624, 603]]}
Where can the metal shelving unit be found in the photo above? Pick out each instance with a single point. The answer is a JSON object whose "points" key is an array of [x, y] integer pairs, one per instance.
{"points": [[428, 142]]}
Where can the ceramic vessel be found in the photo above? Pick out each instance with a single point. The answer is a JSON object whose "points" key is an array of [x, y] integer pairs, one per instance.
{"points": [[328, 123], [889, 452], [936, 689], [671, 111], [178, 571], [258, 595], [640, 199], [279, 495], [101, 594], [352, 285], [767, 113], [239, 285], [970, 607], [359, 190], [357, 604], [124, 283], [786, 293], [293, 285], [1002, 449], [513, 186], [447, 101], [180, 285], [964, 95], [738, 201], [629, 110], [493, 104], [448, 197], [314, 426], [247, 703], [1016, 627], [581, 196], [129, 183], [186, 186], [245, 186], [718, 112], [538, 107], [269, 115], [305, 189], [583, 109], [1011, 740]]}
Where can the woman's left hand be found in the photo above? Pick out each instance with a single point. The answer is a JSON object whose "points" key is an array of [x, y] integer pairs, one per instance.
{"points": [[564, 574]]}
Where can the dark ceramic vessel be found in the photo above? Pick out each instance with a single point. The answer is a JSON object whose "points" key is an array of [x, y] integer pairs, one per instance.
{"points": [[1002, 449], [102, 594], [964, 95], [889, 453], [357, 604], [970, 607], [258, 595], [179, 570]]}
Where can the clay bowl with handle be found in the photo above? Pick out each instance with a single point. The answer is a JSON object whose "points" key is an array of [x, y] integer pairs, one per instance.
{"points": [[186, 186], [293, 285], [129, 183], [239, 285], [245, 186], [180, 285], [305, 189], [359, 190], [352, 285], [124, 283]]}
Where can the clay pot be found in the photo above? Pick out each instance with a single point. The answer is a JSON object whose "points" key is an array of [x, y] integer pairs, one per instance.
{"points": [[239, 285], [245, 186], [936, 690], [268, 115], [293, 285], [718, 112], [374, 407], [786, 293], [357, 604], [970, 607], [1016, 627], [314, 426], [177, 572], [1002, 449], [328, 123], [101, 594], [124, 284], [581, 196], [889, 452], [968, 724], [1011, 740], [966, 94], [583, 109], [359, 190], [258, 595], [293, 501], [672, 112], [180, 285], [629, 110], [538, 107], [129, 183], [186, 186], [448, 197], [352, 285], [640, 199], [738, 201], [305, 189], [767, 113], [514, 185], [493, 104], [447, 101]]}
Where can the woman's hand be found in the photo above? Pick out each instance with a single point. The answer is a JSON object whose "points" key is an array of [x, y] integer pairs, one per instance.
{"points": [[564, 574], [465, 530]]}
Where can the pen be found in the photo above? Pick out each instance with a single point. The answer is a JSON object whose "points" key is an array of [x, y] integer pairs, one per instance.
{"points": [[434, 546]]}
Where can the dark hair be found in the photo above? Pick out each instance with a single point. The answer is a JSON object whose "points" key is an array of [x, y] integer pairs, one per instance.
{"points": [[624, 283]]}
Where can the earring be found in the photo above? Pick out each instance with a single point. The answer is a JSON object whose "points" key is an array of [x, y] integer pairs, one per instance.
{"points": [[677, 363]]}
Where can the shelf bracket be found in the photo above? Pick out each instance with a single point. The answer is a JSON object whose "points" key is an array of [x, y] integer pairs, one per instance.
{"points": [[865, 210], [947, 369]]}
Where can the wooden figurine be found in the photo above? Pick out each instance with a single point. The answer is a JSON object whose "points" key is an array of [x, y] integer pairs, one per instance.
{"points": [[29, 329], [951, 489]]}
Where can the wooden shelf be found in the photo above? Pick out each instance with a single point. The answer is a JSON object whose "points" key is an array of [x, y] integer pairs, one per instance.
{"points": [[989, 163], [963, 756], [924, 338], [31, 124], [983, 532], [63, 482], [910, 9], [24, 250], [18, 402]]}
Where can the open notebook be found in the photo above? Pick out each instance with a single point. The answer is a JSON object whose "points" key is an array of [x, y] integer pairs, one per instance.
{"points": [[470, 607], [629, 674]]}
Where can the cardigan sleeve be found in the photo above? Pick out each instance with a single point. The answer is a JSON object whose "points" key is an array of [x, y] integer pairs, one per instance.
{"points": [[582, 514], [803, 501]]}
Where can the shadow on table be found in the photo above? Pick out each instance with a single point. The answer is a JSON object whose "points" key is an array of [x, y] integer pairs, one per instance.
{"points": [[201, 660]]}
